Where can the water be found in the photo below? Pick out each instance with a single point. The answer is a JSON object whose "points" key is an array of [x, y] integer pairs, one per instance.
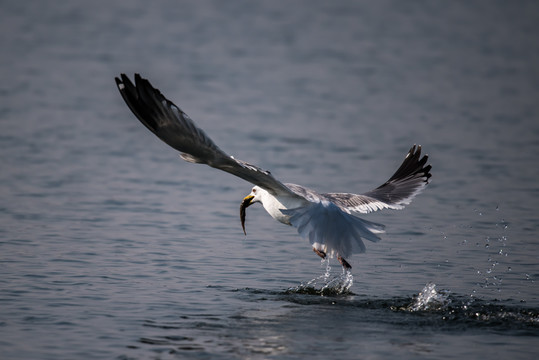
{"points": [[112, 247]]}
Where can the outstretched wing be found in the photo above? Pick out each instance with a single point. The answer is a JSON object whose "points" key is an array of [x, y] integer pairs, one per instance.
{"points": [[408, 181], [175, 128]]}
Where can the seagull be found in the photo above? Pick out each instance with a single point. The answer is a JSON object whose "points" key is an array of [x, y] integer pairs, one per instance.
{"points": [[328, 220]]}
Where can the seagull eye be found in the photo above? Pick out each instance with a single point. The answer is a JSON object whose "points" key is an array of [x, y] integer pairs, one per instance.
{"points": [[254, 190]]}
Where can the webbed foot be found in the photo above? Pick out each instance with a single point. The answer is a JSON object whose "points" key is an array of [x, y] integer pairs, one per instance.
{"points": [[344, 263], [320, 253]]}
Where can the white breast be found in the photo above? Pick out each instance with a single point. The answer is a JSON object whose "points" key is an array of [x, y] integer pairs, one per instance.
{"points": [[274, 206]]}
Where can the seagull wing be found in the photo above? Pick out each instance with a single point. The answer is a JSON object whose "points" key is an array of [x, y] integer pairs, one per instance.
{"points": [[175, 128], [408, 181]]}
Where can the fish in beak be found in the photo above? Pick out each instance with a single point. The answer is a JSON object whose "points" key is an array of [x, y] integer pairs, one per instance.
{"points": [[247, 201]]}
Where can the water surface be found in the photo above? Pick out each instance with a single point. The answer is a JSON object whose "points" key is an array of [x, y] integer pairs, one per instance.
{"points": [[112, 247]]}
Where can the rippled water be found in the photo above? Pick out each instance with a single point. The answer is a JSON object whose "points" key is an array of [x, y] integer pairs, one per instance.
{"points": [[112, 247]]}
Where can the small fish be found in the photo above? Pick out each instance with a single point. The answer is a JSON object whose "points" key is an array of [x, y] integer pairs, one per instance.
{"points": [[244, 205]]}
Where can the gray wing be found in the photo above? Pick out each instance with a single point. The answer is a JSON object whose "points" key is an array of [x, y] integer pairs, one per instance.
{"points": [[408, 181], [175, 128]]}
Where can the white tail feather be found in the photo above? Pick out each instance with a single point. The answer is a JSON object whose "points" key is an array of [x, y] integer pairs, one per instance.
{"points": [[330, 229]]}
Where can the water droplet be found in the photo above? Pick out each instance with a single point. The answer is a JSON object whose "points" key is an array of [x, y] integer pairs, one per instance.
{"points": [[509, 268], [487, 245]]}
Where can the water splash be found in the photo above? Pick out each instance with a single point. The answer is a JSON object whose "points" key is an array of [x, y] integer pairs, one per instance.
{"points": [[429, 299], [325, 285]]}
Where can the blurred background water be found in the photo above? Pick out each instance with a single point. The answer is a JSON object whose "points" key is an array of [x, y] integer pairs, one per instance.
{"points": [[112, 247]]}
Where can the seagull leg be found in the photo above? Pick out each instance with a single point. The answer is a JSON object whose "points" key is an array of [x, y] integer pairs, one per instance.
{"points": [[344, 263], [320, 253]]}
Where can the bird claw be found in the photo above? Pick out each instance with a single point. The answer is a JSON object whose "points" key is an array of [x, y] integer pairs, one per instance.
{"points": [[320, 253], [344, 263]]}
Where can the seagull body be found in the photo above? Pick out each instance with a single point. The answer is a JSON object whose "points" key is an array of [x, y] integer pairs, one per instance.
{"points": [[328, 220]]}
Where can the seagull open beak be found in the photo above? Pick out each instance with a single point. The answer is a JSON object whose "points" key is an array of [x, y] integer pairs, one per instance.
{"points": [[247, 201]]}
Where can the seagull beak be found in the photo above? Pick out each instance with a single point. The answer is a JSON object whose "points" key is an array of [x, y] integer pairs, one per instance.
{"points": [[247, 201]]}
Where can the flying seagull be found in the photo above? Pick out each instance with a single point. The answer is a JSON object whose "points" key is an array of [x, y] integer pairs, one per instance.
{"points": [[328, 220]]}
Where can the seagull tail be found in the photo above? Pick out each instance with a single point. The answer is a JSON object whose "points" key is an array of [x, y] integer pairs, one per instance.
{"points": [[331, 230]]}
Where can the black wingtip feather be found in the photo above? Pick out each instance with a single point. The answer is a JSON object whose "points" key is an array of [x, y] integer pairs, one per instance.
{"points": [[137, 97], [412, 166]]}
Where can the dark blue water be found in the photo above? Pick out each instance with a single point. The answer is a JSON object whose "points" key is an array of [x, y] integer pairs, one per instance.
{"points": [[112, 247]]}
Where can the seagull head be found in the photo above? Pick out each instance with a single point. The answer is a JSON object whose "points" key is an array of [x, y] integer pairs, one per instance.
{"points": [[253, 197]]}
